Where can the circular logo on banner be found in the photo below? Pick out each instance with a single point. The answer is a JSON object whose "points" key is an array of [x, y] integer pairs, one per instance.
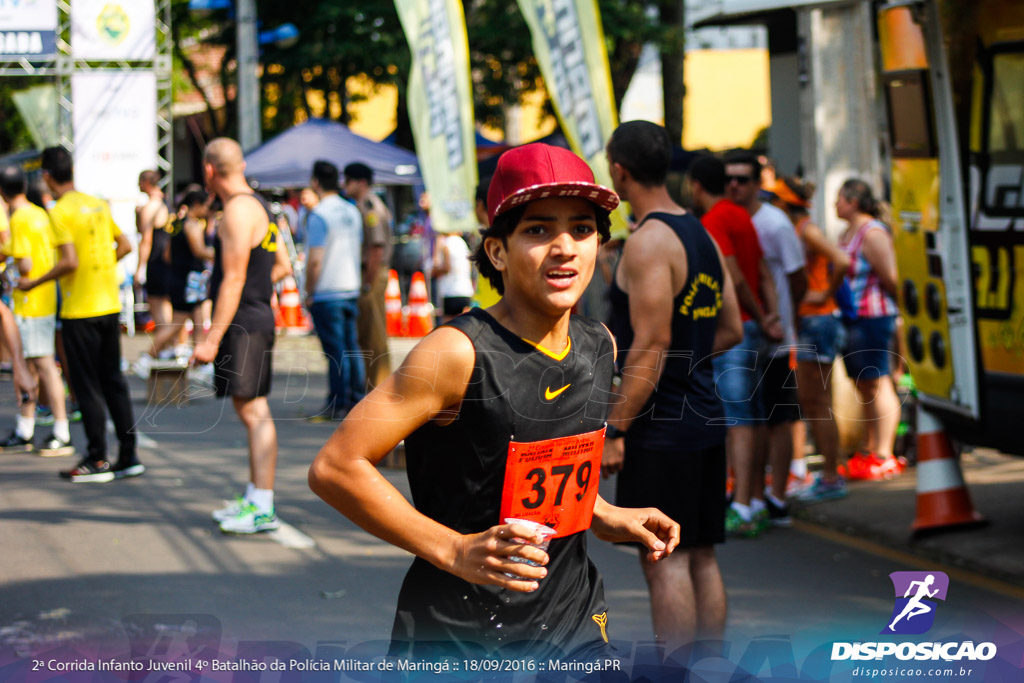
{"points": [[113, 23]]}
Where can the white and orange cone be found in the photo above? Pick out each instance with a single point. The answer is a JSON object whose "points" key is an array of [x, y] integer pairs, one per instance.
{"points": [[942, 497], [393, 305], [420, 310], [291, 313]]}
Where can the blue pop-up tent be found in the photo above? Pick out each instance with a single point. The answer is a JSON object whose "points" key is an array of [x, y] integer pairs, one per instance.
{"points": [[286, 161]]}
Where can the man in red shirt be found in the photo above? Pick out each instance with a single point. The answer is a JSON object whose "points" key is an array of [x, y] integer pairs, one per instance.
{"points": [[736, 376]]}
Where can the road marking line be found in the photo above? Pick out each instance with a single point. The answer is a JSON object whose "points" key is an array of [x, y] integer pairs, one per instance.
{"points": [[964, 575], [290, 537]]}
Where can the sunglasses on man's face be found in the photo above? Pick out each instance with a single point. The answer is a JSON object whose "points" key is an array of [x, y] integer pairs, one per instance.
{"points": [[738, 179]]}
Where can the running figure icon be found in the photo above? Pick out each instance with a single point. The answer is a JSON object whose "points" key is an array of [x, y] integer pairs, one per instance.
{"points": [[915, 607]]}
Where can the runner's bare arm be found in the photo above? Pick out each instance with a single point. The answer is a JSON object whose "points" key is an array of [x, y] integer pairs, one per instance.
{"points": [[430, 385], [881, 254], [770, 298], [819, 243], [146, 220], [67, 262], [744, 291], [195, 234], [24, 383], [124, 247], [648, 280], [729, 325], [649, 526], [314, 264], [282, 267], [236, 236]]}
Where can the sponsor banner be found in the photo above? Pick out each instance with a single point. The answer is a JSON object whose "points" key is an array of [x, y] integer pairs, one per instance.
{"points": [[113, 29], [28, 29], [568, 41], [441, 108], [115, 136]]}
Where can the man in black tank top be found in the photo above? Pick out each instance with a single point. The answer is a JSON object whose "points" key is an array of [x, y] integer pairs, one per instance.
{"points": [[673, 308], [502, 412], [246, 264]]}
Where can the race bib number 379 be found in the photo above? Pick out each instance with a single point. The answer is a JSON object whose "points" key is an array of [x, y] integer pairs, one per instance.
{"points": [[554, 482]]}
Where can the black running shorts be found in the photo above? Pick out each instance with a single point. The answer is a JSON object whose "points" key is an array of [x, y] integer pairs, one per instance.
{"points": [[243, 367], [688, 486]]}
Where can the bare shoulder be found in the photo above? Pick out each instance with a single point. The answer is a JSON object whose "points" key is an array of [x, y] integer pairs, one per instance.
{"points": [[654, 243], [241, 216], [442, 363]]}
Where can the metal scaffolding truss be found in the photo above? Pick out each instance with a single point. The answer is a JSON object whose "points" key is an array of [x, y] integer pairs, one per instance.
{"points": [[63, 66]]}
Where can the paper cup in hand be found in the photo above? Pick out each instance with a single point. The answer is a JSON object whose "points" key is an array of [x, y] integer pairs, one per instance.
{"points": [[539, 530]]}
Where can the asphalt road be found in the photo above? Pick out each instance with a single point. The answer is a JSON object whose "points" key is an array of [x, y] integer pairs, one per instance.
{"points": [[110, 569]]}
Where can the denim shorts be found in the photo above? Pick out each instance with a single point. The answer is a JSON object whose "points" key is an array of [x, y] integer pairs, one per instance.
{"points": [[738, 377], [820, 338], [866, 353]]}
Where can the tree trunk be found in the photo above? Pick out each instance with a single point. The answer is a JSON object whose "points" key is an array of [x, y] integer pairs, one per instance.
{"points": [[623, 65], [403, 126], [673, 52]]}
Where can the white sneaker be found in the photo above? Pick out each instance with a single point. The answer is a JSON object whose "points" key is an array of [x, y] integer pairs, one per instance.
{"points": [[182, 351], [250, 520], [203, 376], [230, 510], [143, 365]]}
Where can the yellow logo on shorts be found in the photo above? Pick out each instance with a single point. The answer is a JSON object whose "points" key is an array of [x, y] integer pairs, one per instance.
{"points": [[602, 621]]}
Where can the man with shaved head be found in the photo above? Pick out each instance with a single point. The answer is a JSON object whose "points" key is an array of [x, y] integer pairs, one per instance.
{"points": [[247, 261]]}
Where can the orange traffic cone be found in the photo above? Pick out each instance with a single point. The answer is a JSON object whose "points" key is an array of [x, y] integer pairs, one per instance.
{"points": [[420, 310], [292, 316], [393, 305], [942, 497]]}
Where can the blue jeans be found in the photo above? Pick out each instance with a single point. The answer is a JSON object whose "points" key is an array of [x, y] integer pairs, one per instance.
{"points": [[335, 323], [738, 377]]}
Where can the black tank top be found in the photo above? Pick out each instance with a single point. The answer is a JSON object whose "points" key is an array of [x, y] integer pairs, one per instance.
{"points": [[161, 238], [684, 411], [183, 261], [254, 312], [457, 474]]}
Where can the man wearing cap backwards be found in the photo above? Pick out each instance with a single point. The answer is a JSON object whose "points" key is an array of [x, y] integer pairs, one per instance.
{"points": [[502, 411], [673, 308]]}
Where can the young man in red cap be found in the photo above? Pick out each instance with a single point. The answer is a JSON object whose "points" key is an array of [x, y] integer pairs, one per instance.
{"points": [[502, 411]]}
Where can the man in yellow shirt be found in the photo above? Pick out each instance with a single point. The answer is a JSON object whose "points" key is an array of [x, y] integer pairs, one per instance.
{"points": [[35, 312], [85, 235]]}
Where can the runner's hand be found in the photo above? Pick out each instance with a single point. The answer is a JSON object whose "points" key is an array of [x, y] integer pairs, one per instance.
{"points": [[649, 526], [26, 284], [484, 558], [206, 352], [772, 327], [612, 457], [25, 386], [815, 298]]}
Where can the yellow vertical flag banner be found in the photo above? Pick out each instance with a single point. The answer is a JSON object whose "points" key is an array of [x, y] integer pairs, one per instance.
{"points": [[569, 44], [441, 109]]}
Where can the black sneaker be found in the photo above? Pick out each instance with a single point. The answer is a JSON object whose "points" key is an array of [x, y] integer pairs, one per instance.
{"points": [[128, 470], [54, 447], [89, 471], [779, 515], [15, 444]]}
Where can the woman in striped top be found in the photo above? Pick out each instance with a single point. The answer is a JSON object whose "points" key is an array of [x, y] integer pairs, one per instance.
{"points": [[868, 303]]}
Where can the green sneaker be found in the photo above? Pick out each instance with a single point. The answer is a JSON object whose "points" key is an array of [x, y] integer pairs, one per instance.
{"points": [[250, 520], [762, 520], [738, 527]]}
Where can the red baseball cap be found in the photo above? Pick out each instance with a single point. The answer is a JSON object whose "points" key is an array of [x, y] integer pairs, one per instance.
{"points": [[539, 171]]}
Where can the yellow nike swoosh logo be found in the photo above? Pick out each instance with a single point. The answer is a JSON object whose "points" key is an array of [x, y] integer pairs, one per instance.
{"points": [[552, 395]]}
